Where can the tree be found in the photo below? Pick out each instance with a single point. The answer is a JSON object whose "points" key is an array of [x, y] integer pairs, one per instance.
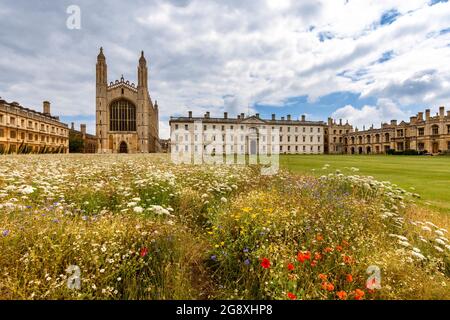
{"points": [[76, 144]]}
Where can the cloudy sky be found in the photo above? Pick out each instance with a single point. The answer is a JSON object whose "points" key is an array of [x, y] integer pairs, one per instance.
{"points": [[360, 60]]}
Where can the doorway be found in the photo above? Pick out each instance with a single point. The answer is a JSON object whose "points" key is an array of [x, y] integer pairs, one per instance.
{"points": [[435, 147], [123, 148]]}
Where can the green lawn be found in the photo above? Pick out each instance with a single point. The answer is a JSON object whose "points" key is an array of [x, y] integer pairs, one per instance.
{"points": [[427, 176]]}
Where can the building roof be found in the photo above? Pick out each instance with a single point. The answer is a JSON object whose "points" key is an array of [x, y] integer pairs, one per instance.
{"points": [[16, 105], [251, 119]]}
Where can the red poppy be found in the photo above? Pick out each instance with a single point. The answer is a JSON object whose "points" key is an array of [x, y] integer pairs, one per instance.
{"points": [[265, 263], [143, 252], [348, 259], [323, 276], [328, 249], [327, 286], [319, 237], [290, 267], [345, 243], [349, 278], [339, 248], [303, 256], [291, 296], [313, 263], [359, 294], [342, 295], [317, 256]]}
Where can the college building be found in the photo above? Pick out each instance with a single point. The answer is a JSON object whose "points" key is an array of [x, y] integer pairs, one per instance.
{"points": [[24, 130], [423, 133], [246, 134], [252, 134], [80, 141]]}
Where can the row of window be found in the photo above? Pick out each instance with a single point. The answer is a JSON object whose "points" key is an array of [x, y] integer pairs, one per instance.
{"points": [[262, 137], [340, 131], [32, 125], [231, 127], [31, 137], [434, 130], [231, 148]]}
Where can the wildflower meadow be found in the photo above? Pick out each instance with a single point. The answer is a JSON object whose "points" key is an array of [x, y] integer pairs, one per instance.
{"points": [[140, 227]]}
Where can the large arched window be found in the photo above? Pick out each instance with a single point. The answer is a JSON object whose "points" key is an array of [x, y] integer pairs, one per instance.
{"points": [[122, 116]]}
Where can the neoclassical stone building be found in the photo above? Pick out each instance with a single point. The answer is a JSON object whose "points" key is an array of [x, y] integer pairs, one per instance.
{"points": [[127, 121], [247, 134], [252, 134], [23, 130]]}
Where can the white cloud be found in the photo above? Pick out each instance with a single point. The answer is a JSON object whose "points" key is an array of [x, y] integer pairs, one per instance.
{"points": [[226, 55], [384, 111]]}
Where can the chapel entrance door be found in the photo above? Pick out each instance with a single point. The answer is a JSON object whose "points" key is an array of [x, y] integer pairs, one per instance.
{"points": [[123, 148]]}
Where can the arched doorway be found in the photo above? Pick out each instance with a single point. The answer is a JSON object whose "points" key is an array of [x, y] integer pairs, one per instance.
{"points": [[360, 150], [123, 148], [368, 150], [253, 141]]}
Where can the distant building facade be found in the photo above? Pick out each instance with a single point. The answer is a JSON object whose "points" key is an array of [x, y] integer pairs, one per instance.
{"points": [[165, 145], [23, 130], [247, 134], [335, 133], [430, 134], [127, 121], [81, 141]]}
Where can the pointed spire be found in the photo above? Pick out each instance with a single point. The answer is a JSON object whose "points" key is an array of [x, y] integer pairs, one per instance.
{"points": [[142, 58], [101, 56]]}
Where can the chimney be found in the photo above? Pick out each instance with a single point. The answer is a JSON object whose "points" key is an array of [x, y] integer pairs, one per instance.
{"points": [[412, 120], [420, 116], [83, 128], [303, 117], [257, 115], [238, 116], [46, 108], [273, 116], [242, 115], [289, 117], [427, 114], [340, 122], [72, 126], [330, 121], [190, 114], [207, 114], [441, 112], [448, 113], [393, 122], [282, 118], [225, 115]]}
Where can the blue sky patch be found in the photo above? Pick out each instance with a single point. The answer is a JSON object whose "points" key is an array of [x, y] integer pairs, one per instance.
{"points": [[320, 109], [386, 56], [389, 17], [433, 2], [325, 35]]}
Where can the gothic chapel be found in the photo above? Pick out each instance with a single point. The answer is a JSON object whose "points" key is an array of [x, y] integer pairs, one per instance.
{"points": [[126, 118]]}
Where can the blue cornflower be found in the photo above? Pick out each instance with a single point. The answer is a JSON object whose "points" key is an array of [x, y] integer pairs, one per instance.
{"points": [[214, 257], [247, 262], [5, 233]]}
